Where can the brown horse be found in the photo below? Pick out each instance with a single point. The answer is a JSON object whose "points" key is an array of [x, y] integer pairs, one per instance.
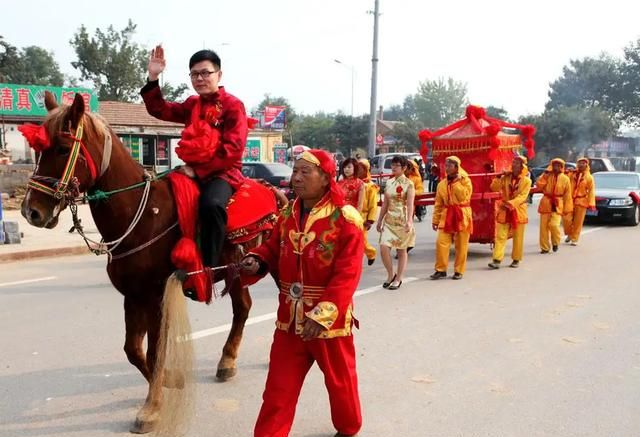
{"points": [[142, 275]]}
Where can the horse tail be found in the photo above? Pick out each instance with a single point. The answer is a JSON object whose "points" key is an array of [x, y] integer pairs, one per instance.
{"points": [[174, 364]]}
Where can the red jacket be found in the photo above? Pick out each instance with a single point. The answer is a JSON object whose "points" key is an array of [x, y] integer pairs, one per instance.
{"points": [[324, 255], [232, 124]]}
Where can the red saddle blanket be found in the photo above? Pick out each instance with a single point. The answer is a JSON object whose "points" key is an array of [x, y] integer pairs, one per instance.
{"points": [[251, 210]]}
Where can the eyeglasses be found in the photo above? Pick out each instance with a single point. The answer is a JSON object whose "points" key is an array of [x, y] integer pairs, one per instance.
{"points": [[194, 75]]}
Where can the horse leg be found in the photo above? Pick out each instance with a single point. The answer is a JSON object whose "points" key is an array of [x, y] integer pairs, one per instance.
{"points": [[135, 319], [241, 303], [148, 416]]}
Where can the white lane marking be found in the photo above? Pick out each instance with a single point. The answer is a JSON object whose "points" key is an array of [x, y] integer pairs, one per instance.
{"points": [[271, 316], [588, 231], [27, 281]]}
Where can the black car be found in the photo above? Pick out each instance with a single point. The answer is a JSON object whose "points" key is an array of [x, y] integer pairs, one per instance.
{"points": [[614, 199], [277, 174]]}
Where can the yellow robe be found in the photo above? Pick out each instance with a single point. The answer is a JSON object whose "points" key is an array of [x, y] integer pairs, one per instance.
{"points": [[513, 197], [457, 193], [370, 214], [556, 202], [583, 192]]}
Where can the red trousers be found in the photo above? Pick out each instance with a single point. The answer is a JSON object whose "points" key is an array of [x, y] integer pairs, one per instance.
{"points": [[290, 360]]}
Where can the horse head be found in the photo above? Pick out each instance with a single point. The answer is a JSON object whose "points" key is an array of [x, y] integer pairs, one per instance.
{"points": [[67, 145]]}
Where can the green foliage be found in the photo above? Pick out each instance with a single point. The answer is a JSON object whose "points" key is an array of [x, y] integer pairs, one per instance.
{"points": [[566, 132], [112, 61], [31, 65]]}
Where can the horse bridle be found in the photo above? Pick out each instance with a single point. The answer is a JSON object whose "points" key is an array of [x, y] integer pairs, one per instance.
{"points": [[67, 187]]}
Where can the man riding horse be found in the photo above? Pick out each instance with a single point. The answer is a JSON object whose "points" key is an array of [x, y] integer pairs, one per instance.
{"points": [[214, 159]]}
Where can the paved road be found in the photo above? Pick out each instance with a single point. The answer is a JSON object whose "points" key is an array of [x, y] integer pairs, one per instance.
{"points": [[550, 349]]}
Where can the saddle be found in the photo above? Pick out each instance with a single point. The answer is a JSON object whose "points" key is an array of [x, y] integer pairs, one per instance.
{"points": [[251, 211]]}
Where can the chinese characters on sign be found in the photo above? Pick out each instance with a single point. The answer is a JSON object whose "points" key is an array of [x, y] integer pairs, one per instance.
{"points": [[29, 99]]}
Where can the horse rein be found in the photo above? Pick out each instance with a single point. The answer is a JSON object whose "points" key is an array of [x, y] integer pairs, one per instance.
{"points": [[66, 191]]}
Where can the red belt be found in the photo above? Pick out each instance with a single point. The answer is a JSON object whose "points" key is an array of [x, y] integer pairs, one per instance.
{"points": [[454, 220]]}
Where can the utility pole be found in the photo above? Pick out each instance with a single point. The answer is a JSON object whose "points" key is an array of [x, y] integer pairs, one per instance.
{"points": [[374, 83]]}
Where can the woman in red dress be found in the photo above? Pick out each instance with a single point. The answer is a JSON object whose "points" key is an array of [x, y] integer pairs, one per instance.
{"points": [[352, 186]]}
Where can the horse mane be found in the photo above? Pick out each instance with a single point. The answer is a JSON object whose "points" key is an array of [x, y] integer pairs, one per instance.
{"points": [[95, 125]]}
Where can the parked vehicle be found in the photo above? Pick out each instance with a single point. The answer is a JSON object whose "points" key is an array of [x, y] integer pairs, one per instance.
{"points": [[601, 164], [381, 164], [617, 195], [277, 174]]}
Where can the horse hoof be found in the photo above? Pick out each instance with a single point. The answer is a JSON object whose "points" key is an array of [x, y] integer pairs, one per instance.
{"points": [[143, 426], [223, 375], [173, 379]]}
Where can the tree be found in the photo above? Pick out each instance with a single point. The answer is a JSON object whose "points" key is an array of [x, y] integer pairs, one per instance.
{"points": [[407, 134], [437, 103], [394, 113], [315, 131], [497, 112], [9, 60], [631, 83], [568, 131], [115, 64], [174, 93], [590, 83], [31, 65], [350, 132]]}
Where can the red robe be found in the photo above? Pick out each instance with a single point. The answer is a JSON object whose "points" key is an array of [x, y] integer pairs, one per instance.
{"points": [[323, 257], [351, 189], [224, 112]]}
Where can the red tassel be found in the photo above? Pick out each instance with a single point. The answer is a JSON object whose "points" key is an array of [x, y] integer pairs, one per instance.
{"points": [[476, 112], [185, 255], [425, 136], [36, 136]]}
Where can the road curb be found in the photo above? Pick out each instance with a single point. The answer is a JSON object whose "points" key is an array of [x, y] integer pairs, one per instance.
{"points": [[42, 253]]}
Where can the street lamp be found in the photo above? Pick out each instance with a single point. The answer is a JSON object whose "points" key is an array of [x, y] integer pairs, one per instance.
{"points": [[353, 75]]}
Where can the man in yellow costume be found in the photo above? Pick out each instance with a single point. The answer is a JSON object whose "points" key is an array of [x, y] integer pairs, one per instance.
{"points": [[369, 208], [452, 218], [556, 202], [583, 194], [511, 211]]}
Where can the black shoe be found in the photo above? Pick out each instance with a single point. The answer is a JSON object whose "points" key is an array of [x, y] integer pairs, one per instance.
{"points": [[555, 248], [438, 275], [544, 252], [371, 261], [394, 286], [386, 284], [409, 249], [568, 239], [515, 264], [345, 435], [495, 264], [457, 276]]}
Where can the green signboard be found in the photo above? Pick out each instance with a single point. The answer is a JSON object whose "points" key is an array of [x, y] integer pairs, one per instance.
{"points": [[252, 151], [28, 100]]}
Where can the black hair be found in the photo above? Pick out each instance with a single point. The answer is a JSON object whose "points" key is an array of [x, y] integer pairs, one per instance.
{"points": [[205, 55], [351, 161], [400, 159]]}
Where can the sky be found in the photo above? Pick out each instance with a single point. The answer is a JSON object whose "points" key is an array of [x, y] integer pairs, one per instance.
{"points": [[507, 52]]}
